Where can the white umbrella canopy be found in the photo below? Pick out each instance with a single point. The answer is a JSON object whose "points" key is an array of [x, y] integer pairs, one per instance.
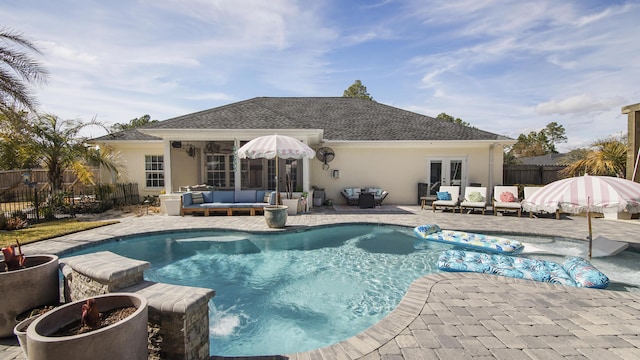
{"points": [[275, 147], [587, 194]]}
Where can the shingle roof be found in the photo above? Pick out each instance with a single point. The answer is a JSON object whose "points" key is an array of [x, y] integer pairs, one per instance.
{"points": [[131, 134], [342, 119]]}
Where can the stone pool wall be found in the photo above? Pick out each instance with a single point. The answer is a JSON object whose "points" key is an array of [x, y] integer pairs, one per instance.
{"points": [[181, 313]]}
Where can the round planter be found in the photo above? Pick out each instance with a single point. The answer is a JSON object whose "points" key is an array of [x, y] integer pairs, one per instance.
{"points": [[275, 216], [126, 339], [20, 331], [35, 285]]}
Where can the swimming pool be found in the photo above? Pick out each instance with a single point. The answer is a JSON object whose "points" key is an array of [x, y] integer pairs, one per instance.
{"points": [[287, 292]]}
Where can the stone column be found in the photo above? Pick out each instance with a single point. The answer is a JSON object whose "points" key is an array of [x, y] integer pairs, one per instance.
{"points": [[633, 113]]}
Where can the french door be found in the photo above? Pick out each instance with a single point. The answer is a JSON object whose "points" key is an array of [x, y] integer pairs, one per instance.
{"points": [[446, 171]]}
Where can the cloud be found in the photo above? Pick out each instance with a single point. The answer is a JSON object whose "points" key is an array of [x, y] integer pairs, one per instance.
{"points": [[578, 104]]}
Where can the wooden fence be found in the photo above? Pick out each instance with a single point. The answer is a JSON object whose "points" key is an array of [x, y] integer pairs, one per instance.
{"points": [[531, 174]]}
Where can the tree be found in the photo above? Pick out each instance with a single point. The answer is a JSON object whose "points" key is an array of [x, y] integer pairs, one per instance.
{"points": [[555, 134], [13, 155], [451, 119], [357, 90], [55, 144], [17, 69], [607, 157], [133, 123], [539, 143]]}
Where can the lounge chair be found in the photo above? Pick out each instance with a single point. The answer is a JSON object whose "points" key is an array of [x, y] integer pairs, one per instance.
{"points": [[475, 198], [447, 201], [505, 198], [529, 191]]}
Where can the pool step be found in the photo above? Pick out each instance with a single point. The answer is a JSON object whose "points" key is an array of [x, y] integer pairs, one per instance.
{"points": [[180, 312]]}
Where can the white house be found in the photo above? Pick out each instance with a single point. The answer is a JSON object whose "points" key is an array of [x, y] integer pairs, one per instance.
{"points": [[374, 145]]}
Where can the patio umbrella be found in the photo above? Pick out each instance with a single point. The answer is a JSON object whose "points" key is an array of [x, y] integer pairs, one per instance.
{"points": [[276, 147], [587, 194]]}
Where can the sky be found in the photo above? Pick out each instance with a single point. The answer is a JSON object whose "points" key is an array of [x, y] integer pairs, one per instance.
{"points": [[508, 67]]}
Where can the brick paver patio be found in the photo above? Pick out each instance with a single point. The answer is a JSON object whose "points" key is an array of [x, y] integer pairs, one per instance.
{"points": [[449, 315]]}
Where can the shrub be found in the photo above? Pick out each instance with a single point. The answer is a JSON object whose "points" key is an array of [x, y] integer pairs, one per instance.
{"points": [[16, 223]]}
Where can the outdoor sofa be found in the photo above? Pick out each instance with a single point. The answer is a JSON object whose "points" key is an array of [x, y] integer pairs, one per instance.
{"points": [[352, 194], [228, 201]]}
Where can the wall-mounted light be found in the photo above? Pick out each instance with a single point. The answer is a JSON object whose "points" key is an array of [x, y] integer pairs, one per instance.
{"points": [[335, 173]]}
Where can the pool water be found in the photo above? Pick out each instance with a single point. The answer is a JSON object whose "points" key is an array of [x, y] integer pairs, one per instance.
{"points": [[279, 293]]}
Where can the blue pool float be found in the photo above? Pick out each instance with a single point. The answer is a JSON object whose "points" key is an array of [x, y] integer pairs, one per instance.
{"points": [[574, 271], [490, 243]]}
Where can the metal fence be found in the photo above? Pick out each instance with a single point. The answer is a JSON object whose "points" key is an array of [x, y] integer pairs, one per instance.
{"points": [[36, 204]]}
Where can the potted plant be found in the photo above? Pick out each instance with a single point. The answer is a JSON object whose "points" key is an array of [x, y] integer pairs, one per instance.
{"points": [[26, 282], [291, 202], [20, 330], [82, 329], [275, 216]]}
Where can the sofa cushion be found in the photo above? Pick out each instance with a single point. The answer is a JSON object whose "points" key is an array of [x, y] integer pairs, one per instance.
{"points": [[207, 196], [348, 191], [197, 198], [223, 196], [245, 196], [186, 199]]}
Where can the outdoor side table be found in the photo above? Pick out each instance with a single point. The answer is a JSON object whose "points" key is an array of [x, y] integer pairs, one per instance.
{"points": [[366, 201]]}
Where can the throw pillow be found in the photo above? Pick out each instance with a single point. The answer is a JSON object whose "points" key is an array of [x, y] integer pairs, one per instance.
{"points": [[197, 198], [443, 195], [475, 196], [348, 191], [507, 196], [267, 198]]}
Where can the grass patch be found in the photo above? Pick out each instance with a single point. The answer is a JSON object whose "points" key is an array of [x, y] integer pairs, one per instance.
{"points": [[49, 230]]}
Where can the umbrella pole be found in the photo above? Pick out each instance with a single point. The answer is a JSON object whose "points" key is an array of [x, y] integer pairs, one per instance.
{"points": [[278, 200], [590, 233]]}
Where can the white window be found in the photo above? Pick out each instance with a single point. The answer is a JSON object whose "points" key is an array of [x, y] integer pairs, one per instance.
{"points": [[154, 171]]}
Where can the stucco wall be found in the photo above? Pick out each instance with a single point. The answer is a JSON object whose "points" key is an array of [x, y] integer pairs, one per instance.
{"points": [[133, 156], [396, 169], [399, 170]]}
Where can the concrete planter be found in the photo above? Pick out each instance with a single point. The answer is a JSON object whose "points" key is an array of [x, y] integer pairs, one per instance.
{"points": [[292, 204], [34, 286], [126, 339], [20, 332], [275, 216]]}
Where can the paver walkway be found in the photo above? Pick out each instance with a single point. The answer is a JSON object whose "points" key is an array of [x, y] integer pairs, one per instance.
{"points": [[450, 315]]}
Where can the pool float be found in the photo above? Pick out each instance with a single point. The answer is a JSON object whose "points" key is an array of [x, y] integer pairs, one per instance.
{"points": [[432, 232], [574, 271]]}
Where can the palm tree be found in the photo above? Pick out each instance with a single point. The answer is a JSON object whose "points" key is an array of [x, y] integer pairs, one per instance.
{"points": [[17, 69], [608, 157], [58, 147]]}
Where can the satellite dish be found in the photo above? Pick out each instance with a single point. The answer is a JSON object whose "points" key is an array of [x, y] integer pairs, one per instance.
{"points": [[326, 155]]}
